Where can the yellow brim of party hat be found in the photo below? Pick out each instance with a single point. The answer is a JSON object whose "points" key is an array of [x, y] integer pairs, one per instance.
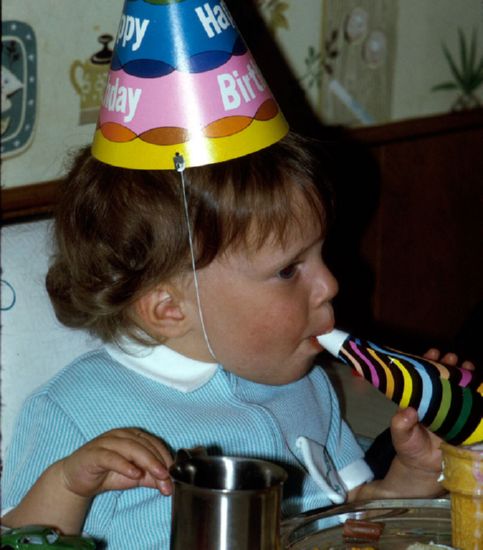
{"points": [[198, 151]]}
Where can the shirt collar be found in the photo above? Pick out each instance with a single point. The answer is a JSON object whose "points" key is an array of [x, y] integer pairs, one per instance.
{"points": [[164, 365]]}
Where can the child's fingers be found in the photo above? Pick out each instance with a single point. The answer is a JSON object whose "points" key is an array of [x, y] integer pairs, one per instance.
{"points": [[449, 359], [468, 365], [402, 424], [109, 460], [164, 482], [433, 354], [140, 467], [413, 442], [405, 431], [118, 460], [155, 445], [139, 448], [90, 470]]}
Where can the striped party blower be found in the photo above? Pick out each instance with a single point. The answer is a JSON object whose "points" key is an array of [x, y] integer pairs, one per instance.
{"points": [[449, 400]]}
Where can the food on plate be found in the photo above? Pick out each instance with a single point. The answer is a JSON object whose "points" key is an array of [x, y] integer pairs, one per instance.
{"points": [[359, 529]]}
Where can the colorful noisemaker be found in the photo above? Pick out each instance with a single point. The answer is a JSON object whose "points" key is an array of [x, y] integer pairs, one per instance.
{"points": [[449, 400], [182, 81]]}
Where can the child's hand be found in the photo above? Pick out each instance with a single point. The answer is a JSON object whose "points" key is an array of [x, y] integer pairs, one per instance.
{"points": [[416, 468], [417, 448], [450, 359], [116, 460]]}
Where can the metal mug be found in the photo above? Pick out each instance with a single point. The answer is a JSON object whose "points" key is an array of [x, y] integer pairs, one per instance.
{"points": [[225, 503]]}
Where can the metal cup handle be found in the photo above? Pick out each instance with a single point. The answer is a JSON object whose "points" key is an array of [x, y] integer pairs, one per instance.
{"points": [[182, 455]]}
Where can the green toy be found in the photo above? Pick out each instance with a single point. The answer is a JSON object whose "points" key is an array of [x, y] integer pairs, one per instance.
{"points": [[42, 538]]}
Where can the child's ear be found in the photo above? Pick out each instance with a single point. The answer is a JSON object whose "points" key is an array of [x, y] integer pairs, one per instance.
{"points": [[161, 313]]}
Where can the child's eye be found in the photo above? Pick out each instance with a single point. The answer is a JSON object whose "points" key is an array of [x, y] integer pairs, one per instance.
{"points": [[287, 272]]}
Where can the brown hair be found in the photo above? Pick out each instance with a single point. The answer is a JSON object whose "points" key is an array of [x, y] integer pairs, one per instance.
{"points": [[119, 232]]}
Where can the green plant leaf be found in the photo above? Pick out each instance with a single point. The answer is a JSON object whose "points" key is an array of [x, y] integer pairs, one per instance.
{"points": [[479, 69], [476, 78], [453, 67], [463, 55], [475, 81], [445, 86], [473, 50], [469, 75]]}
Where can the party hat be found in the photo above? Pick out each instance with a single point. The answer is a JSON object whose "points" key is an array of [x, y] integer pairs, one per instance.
{"points": [[183, 81], [449, 400]]}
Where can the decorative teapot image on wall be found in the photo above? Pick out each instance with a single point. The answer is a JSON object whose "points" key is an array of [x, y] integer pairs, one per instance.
{"points": [[88, 78]]}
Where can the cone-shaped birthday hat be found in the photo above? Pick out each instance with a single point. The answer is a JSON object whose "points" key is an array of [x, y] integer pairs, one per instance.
{"points": [[183, 81], [449, 400]]}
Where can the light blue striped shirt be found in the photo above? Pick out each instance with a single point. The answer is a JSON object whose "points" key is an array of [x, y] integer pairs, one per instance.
{"points": [[108, 389]]}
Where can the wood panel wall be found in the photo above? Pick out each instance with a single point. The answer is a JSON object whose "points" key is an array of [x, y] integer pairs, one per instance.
{"points": [[419, 253]]}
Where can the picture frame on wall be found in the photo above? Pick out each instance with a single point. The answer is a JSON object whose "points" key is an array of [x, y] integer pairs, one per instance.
{"points": [[19, 87], [55, 61]]}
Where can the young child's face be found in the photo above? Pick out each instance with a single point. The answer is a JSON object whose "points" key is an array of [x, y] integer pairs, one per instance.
{"points": [[262, 308]]}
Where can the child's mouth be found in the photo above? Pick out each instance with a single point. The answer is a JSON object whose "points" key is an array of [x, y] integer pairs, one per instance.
{"points": [[315, 343]]}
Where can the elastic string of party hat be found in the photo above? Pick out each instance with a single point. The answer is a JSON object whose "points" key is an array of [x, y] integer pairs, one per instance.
{"points": [[179, 165]]}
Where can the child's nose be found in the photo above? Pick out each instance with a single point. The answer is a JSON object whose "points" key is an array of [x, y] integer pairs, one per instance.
{"points": [[326, 286]]}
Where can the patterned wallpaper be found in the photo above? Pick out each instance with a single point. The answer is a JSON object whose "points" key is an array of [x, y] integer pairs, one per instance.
{"points": [[353, 62], [363, 62]]}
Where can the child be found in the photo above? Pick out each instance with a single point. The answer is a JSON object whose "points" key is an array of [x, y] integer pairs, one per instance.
{"points": [[224, 360]]}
